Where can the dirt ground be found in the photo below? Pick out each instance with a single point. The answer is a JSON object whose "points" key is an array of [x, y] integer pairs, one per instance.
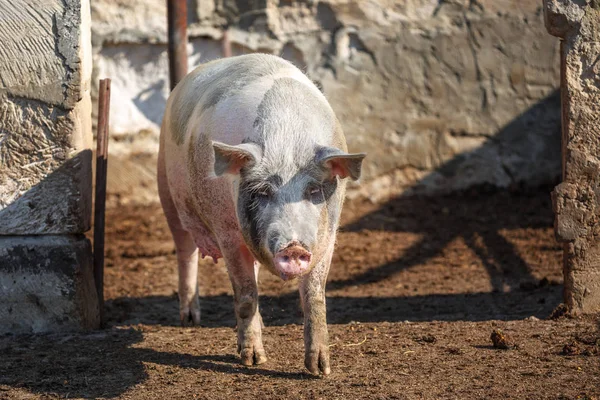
{"points": [[416, 288]]}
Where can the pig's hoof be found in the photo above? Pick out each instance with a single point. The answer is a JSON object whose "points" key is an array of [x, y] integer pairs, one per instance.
{"points": [[317, 361], [253, 356], [189, 310], [189, 317]]}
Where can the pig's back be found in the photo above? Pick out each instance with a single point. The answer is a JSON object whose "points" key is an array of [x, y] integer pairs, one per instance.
{"points": [[227, 99]]}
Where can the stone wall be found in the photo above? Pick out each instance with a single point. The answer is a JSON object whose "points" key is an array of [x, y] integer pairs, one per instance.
{"points": [[577, 199], [442, 94], [46, 280]]}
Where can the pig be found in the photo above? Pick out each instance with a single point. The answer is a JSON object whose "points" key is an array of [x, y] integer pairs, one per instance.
{"points": [[252, 168]]}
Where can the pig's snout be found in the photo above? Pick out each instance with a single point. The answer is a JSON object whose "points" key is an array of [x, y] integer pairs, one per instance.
{"points": [[292, 261]]}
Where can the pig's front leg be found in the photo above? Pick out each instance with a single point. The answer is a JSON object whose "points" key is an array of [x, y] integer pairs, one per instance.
{"points": [[243, 271], [316, 337]]}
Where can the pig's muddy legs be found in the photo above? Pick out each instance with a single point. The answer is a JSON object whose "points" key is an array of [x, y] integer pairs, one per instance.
{"points": [[243, 271], [316, 338]]}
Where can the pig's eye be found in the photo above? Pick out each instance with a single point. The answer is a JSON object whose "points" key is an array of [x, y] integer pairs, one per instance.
{"points": [[264, 193], [314, 192]]}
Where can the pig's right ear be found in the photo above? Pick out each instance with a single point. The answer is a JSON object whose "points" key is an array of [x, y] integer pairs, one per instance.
{"points": [[339, 163], [231, 159]]}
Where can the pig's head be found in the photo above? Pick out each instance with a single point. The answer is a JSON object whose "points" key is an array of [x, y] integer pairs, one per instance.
{"points": [[284, 205]]}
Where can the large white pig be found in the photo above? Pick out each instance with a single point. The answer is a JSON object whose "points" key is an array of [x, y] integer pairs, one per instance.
{"points": [[252, 167]]}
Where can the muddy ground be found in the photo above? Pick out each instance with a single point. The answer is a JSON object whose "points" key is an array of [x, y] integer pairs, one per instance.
{"points": [[416, 288]]}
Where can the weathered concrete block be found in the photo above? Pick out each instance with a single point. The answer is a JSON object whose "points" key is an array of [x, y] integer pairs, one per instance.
{"points": [[47, 284], [45, 117], [577, 200]]}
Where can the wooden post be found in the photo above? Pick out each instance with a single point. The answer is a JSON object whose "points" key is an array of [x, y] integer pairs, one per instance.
{"points": [[100, 199], [177, 29]]}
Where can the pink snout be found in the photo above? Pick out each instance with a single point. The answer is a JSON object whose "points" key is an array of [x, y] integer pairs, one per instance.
{"points": [[292, 261]]}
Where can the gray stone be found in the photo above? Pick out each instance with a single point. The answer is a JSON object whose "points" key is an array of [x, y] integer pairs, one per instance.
{"points": [[45, 117], [46, 285], [577, 199]]}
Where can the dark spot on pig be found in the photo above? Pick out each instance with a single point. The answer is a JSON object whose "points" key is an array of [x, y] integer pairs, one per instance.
{"points": [[248, 216], [328, 188], [275, 180], [245, 308], [272, 242]]}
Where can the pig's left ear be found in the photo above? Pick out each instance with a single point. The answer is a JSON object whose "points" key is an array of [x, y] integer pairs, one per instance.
{"points": [[231, 159], [341, 164]]}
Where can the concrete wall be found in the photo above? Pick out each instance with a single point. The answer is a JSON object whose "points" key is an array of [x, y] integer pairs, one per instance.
{"points": [[442, 94], [46, 280]]}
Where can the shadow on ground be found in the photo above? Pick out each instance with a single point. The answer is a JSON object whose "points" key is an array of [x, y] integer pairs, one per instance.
{"points": [[101, 365], [217, 311], [477, 217]]}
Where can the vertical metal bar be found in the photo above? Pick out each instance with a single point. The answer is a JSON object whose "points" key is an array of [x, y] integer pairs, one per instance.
{"points": [[100, 199], [177, 27]]}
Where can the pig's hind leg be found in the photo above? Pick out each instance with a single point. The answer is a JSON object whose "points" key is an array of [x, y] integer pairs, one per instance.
{"points": [[187, 253]]}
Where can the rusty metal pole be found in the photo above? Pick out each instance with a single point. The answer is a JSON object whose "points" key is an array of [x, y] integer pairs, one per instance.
{"points": [[226, 44], [100, 199], [177, 27]]}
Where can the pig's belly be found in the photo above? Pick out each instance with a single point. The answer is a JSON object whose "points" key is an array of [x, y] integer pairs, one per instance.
{"points": [[194, 224], [203, 237]]}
